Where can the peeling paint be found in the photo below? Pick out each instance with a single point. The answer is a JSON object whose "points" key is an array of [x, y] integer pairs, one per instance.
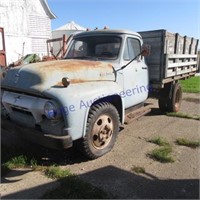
{"points": [[44, 75]]}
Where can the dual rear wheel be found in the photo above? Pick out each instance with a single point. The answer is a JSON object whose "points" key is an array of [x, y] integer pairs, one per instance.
{"points": [[170, 98]]}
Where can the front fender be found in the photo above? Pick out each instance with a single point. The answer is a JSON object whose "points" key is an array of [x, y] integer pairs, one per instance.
{"points": [[76, 100]]}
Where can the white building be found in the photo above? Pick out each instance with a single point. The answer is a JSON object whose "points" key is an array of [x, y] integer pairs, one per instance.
{"points": [[27, 26]]}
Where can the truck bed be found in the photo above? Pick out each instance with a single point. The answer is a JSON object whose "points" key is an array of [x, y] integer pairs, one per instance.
{"points": [[172, 56]]}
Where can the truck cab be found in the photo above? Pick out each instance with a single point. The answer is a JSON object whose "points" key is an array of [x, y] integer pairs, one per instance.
{"points": [[118, 48]]}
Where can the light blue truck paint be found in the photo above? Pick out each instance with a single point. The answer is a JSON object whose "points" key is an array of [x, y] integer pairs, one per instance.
{"points": [[103, 71]]}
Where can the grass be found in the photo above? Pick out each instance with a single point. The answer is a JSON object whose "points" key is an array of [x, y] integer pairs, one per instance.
{"points": [[159, 141], [162, 154], [183, 115], [188, 143], [20, 161], [12, 158], [191, 85], [71, 187], [138, 170], [55, 172]]}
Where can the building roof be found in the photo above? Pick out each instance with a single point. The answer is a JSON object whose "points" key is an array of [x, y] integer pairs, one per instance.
{"points": [[71, 26], [47, 9]]}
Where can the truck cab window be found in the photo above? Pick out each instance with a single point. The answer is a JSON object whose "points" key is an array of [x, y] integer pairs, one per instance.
{"points": [[132, 48], [79, 49], [102, 47]]}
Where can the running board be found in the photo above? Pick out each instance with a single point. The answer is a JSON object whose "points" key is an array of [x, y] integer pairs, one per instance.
{"points": [[136, 114]]}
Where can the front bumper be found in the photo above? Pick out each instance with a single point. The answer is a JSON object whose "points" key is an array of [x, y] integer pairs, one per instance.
{"points": [[37, 137]]}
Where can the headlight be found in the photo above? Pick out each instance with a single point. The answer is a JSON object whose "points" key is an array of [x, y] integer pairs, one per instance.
{"points": [[50, 110]]}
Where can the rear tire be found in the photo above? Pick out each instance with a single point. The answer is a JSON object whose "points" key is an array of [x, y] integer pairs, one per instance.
{"points": [[175, 102], [170, 98], [101, 131], [164, 98]]}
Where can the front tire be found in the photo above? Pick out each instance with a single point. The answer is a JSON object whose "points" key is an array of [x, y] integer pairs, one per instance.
{"points": [[101, 131]]}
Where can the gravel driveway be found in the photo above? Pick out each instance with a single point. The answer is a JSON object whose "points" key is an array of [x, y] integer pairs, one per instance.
{"points": [[113, 173]]}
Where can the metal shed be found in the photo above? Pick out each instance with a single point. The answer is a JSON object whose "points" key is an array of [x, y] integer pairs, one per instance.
{"points": [[67, 29]]}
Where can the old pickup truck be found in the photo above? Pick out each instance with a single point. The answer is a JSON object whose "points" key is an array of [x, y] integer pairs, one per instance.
{"points": [[103, 81]]}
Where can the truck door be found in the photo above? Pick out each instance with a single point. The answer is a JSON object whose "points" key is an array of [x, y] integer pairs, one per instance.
{"points": [[135, 74], [2, 48]]}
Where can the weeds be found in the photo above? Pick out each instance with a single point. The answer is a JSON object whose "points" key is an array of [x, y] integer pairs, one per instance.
{"points": [[18, 162], [159, 141], [162, 154], [183, 115], [188, 143], [138, 170], [55, 172], [73, 187]]}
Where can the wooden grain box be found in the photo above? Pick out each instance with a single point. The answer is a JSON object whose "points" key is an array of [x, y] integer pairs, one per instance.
{"points": [[172, 56]]}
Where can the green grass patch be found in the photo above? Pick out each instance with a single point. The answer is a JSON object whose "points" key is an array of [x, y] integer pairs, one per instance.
{"points": [[162, 154], [191, 85], [183, 115], [138, 170], [159, 141], [73, 187], [12, 157], [18, 162], [55, 172], [188, 143]]}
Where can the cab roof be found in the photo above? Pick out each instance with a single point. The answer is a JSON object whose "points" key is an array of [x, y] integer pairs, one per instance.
{"points": [[107, 31]]}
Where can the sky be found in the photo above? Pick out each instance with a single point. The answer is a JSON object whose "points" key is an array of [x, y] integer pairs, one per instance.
{"points": [[182, 16]]}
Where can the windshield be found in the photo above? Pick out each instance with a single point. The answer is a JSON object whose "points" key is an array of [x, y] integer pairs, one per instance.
{"points": [[97, 47]]}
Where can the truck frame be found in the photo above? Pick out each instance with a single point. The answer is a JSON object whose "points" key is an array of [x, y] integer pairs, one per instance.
{"points": [[102, 82]]}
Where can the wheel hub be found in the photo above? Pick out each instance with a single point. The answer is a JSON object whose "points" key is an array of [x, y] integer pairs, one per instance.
{"points": [[102, 131]]}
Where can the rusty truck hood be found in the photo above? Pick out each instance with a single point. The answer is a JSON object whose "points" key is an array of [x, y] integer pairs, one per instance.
{"points": [[38, 77]]}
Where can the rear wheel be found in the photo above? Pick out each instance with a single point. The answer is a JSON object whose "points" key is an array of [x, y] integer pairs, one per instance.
{"points": [[170, 98], [175, 103], [101, 132], [164, 98]]}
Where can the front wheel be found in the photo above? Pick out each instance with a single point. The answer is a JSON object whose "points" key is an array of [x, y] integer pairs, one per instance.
{"points": [[101, 131]]}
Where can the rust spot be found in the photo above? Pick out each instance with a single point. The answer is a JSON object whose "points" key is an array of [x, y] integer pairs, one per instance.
{"points": [[70, 65], [78, 81], [74, 81]]}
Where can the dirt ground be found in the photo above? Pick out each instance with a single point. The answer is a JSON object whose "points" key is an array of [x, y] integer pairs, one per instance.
{"points": [[113, 173]]}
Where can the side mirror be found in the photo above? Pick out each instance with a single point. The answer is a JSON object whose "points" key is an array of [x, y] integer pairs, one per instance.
{"points": [[146, 50]]}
